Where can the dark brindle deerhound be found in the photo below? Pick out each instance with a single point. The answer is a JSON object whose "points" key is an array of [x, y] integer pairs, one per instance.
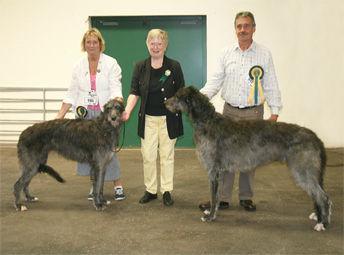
{"points": [[91, 141], [224, 144]]}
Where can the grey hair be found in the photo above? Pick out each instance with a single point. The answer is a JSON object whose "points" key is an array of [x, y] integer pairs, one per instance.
{"points": [[159, 34], [243, 15]]}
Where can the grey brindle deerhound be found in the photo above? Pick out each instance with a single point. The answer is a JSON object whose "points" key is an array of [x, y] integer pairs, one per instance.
{"points": [[91, 141], [226, 145]]}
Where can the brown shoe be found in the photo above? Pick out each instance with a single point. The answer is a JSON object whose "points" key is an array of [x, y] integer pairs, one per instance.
{"points": [[248, 205], [205, 206]]}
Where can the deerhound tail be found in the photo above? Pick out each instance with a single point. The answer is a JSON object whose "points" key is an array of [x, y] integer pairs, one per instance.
{"points": [[49, 170], [323, 158]]}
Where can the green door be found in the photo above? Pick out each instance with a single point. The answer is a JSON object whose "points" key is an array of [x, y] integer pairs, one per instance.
{"points": [[125, 40]]}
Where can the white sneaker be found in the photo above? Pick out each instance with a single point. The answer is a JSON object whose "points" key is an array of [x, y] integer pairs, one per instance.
{"points": [[119, 194]]}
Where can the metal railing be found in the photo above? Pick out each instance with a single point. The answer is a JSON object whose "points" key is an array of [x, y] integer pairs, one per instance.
{"points": [[17, 103]]}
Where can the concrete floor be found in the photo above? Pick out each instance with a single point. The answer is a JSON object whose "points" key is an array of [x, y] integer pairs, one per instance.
{"points": [[64, 222]]}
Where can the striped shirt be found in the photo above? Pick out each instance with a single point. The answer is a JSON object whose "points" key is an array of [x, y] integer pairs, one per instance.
{"points": [[232, 75]]}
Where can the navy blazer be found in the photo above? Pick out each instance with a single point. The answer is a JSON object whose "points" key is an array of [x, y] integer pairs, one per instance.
{"points": [[140, 87]]}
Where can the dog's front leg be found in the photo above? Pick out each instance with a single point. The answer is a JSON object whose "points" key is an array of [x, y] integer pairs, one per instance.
{"points": [[98, 179], [102, 200], [214, 200]]}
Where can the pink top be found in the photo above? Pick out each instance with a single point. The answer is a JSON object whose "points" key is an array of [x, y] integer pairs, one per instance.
{"points": [[93, 87]]}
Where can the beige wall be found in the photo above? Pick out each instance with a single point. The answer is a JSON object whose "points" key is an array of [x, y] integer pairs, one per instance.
{"points": [[40, 41]]}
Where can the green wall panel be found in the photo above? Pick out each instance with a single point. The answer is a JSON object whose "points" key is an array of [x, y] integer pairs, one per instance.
{"points": [[125, 40]]}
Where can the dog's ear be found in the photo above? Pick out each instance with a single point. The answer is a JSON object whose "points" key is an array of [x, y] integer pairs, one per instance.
{"points": [[191, 100], [105, 106], [188, 100], [193, 89], [120, 106], [194, 103], [192, 96]]}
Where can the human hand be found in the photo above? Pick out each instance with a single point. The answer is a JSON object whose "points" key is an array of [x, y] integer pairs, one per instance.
{"points": [[119, 99], [125, 116], [273, 118]]}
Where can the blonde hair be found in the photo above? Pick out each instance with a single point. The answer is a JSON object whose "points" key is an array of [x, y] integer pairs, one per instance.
{"points": [[159, 34], [93, 32]]}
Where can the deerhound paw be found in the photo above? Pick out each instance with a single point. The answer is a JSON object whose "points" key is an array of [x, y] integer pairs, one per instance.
{"points": [[31, 199], [207, 212], [313, 216], [105, 202], [320, 227], [100, 207], [20, 208], [207, 218]]}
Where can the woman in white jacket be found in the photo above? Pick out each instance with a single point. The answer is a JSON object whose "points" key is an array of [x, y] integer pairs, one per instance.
{"points": [[96, 79]]}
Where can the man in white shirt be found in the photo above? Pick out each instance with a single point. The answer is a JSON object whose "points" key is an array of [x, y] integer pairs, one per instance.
{"points": [[233, 76]]}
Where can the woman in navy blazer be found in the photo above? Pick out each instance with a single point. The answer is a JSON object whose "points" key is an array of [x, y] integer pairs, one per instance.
{"points": [[96, 79], [155, 80]]}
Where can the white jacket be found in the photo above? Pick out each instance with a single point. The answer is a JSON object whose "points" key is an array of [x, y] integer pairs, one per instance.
{"points": [[108, 82]]}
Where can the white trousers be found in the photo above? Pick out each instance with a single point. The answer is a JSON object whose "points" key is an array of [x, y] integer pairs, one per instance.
{"points": [[156, 135]]}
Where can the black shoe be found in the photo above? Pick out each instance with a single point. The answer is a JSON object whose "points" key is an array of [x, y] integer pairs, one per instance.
{"points": [[148, 197], [248, 205], [167, 199], [206, 206]]}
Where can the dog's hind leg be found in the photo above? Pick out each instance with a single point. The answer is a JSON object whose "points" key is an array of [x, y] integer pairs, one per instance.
{"points": [[22, 184], [42, 157], [16, 191], [307, 172], [214, 180], [322, 204], [41, 168], [27, 194]]}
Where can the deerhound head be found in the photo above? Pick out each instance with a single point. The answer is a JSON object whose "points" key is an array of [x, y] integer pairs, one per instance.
{"points": [[113, 111], [183, 99], [192, 101]]}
